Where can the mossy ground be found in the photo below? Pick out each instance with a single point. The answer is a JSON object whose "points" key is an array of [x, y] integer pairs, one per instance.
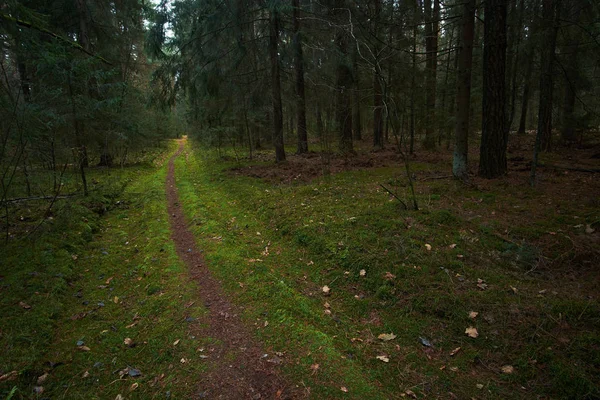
{"points": [[92, 282], [275, 245], [519, 257]]}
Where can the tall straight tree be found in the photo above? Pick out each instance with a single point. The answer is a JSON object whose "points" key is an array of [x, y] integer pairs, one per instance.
{"points": [[494, 135], [550, 28], [377, 80], [344, 82], [431, 48], [463, 92], [276, 83], [299, 66]]}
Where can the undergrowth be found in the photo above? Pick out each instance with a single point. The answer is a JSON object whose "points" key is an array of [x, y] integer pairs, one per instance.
{"points": [[92, 308], [418, 275]]}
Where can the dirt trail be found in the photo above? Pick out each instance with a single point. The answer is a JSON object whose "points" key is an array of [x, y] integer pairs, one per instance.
{"points": [[237, 368]]}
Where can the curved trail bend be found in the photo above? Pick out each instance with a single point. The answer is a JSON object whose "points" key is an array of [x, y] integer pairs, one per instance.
{"points": [[237, 369]]}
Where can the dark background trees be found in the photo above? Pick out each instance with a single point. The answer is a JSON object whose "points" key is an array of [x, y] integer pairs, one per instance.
{"points": [[86, 82]]}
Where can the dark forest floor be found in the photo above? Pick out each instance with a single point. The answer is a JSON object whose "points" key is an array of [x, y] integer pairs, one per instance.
{"points": [[489, 290]]}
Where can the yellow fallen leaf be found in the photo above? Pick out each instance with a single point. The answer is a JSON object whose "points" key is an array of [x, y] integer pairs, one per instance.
{"points": [[134, 386], [362, 272], [454, 352], [385, 359], [175, 343], [428, 246], [508, 369], [472, 332], [386, 336], [116, 300]]}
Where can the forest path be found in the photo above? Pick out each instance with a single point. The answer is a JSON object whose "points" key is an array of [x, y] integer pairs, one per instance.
{"points": [[237, 368]]}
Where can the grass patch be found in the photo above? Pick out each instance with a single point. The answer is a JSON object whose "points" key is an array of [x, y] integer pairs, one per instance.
{"points": [[87, 297], [275, 245]]}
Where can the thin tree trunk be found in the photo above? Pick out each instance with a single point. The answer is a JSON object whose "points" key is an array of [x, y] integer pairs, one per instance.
{"points": [[300, 96], [413, 85], [356, 120], [377, 79], [494, 138], [460, 161], [431, 44], [549, 10], [344, 86], [276, 85]]}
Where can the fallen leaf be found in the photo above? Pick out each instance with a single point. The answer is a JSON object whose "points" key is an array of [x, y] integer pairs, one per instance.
{"points": [[471, 332], [326, 290], [453, 245], [385, 359], [116, 300], [455, 351], [314, 368], [327, 312], [86, 374], [589, 230], [389, 276], [326, 305], [514, 289], [428, 246], [108, 280], [362, 272], [42, 378], [410, 393], [24, 305], [119, 397], [386, 337], [343, 389], [128, 342], [473, 314], [134, 386], [83, 348], [183, 361], [479, 386], [131, 325], [508, 369], [175, 343]]}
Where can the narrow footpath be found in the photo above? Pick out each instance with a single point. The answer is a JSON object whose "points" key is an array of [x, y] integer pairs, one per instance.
{"points": [[237, 366]]}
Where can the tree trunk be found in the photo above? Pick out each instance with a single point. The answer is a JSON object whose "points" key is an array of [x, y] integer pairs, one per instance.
{"points": [[544, 132], [344, 86], [431, 44], [276, 85], [377, 79], [356, 120], [463, 92], [300, 97], [494, 138], [413, 84], [526, 93]]}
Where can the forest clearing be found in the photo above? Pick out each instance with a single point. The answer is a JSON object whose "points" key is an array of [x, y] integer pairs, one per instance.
{"points": [[299, 199]]}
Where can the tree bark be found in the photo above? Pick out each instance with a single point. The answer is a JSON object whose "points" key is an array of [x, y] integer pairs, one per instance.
{"points": [[463, 92], [431, 48], [544, 133], [356, 120], [494, 137], [377, 79], [300, 96], [276, 85], [344, 86]]}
